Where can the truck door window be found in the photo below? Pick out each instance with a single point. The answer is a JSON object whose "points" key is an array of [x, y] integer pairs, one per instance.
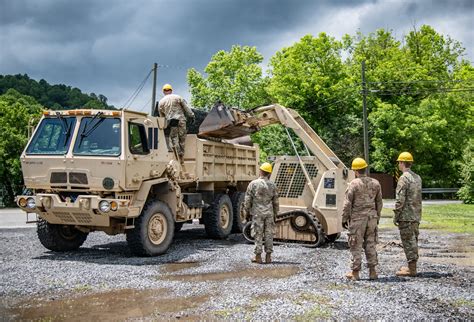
{"points": [[137, 140], [52, 137]]}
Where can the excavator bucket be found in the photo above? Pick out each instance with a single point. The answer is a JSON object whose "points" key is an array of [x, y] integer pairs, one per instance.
{"points": [[226, 123]]}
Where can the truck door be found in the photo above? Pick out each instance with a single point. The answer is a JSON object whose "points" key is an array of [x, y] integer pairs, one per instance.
{"points": [[139, 159]]}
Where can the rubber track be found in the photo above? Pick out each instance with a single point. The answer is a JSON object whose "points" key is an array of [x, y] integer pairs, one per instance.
{"points": [[315, 225]]}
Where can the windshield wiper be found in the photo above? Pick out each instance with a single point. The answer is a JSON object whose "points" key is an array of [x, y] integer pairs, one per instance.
{"points": [[65, 126], [89, 131]]}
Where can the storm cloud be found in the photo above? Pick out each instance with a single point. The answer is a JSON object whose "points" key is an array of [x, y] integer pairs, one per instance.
{"points": [[108, 47]]}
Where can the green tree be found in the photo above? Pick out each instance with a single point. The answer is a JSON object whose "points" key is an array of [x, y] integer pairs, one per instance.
{"points": [[409, 108], [56, 97], [311, 77], [234, 78], [466, 193], [16, 110]]}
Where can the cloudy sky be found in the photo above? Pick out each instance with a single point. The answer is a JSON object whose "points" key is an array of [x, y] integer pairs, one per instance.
{"points": [[108, 47]]}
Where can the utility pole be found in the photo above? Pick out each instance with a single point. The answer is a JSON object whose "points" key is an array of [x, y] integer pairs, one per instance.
{"points": [[364, 111], [153, 93]]}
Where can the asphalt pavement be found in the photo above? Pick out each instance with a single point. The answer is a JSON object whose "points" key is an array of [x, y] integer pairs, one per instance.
{"points": [[13, 218]]}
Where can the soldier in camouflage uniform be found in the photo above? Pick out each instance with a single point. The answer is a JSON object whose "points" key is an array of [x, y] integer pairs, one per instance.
{"points": [[361, 215], [407, 212], [175, 109], [261, 203]]}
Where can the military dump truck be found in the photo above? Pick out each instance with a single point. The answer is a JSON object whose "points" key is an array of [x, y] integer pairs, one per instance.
{"points": [[113, 171], [311, 188]]}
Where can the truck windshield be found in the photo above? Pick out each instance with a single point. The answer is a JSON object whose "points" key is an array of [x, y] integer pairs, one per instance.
{"points": [[98, 136], [53, 136]]}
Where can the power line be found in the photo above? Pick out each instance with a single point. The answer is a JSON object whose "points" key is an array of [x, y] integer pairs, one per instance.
{"points": [[420, 91], [144, 105], [134, 95], [425, 81]]}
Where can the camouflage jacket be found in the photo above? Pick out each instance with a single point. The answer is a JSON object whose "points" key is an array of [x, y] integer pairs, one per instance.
{"points": [[173, 106], [363, 199], [408, 197], [261, 198]]}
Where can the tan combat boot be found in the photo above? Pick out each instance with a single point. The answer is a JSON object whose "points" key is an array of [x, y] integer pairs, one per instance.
{"points": [[403, 271], [408, 271], [372, 273], [257, 259], [412, 268], [268, 258], [353, 275]]}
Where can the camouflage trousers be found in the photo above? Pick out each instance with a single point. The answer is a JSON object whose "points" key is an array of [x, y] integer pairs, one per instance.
{"points": [[363, 235], [262, 228], [409, 236], [178, 137]]}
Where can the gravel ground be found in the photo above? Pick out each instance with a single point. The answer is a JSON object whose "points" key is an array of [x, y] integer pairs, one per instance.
{"points": [[201, 278]]}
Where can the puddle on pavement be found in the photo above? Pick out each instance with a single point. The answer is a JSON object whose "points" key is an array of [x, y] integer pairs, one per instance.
{"points": [[173, 267], [272, 272], [108, 306]]}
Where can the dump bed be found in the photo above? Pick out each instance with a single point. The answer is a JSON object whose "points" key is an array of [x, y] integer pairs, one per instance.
{"points": [[212, 161]]}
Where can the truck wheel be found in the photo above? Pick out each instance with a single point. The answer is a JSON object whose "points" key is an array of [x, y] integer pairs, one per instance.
{"points": [[218, 217], [237, 199], [59, 238], [153, 232]]}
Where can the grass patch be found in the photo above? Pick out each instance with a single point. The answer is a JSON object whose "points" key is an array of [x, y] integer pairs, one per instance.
{"points": [[317, 312], [311, 298], [456, 218], [320, 308], [82, 288], [226, 313], [463, 302]]}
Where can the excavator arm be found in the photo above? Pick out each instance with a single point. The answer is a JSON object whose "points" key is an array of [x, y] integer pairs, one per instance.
{"points": [[230, 123]]}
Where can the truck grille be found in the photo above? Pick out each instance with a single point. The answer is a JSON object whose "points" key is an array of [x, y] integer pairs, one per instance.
{"points": [[58, 177], [77, 178], [74, 178], [73, 217]]}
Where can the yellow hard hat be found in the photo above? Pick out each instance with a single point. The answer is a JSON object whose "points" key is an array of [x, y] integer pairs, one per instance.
{"points": [[405, 156], [267, 167], [167, 87], [358, 164]]}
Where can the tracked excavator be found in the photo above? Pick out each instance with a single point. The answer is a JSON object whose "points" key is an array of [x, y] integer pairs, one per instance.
{"points": [[311, 187]]}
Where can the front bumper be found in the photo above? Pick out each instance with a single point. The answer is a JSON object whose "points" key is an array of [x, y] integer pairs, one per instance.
{"points": [[84, 211]]}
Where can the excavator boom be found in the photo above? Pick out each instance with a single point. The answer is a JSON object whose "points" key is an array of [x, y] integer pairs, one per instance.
{"points": [[230, 123]]}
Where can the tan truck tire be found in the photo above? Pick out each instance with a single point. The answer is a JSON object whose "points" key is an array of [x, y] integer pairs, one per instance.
{"points": [[153, 231], [59, 238], [218, 218], [237, 199]]}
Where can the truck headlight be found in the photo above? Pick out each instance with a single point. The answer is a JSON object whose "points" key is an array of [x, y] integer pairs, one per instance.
{"points": [[30, 203], [114, 205], [104, 206], [22, 202]]}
